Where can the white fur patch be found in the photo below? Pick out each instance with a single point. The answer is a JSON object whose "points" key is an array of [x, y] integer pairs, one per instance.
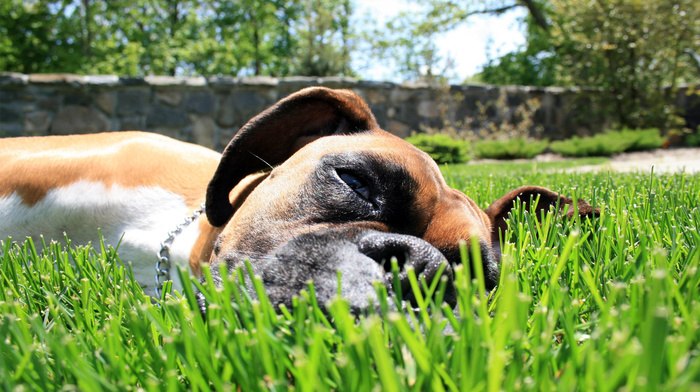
{"points": [[143, 215]]}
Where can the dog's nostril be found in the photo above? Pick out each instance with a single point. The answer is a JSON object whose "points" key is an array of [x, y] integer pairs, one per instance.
{"points": [[384, 255], [401, 260], [425, 259]]}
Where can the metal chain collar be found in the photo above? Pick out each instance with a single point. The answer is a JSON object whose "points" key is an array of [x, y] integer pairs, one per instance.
{"points": [[163, 255]]}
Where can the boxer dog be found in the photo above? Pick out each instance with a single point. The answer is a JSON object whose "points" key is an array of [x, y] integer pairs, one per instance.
{"points": [[309, 187]]}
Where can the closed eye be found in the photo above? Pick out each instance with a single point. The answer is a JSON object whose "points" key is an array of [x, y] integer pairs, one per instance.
{"points": [[356, 185]]}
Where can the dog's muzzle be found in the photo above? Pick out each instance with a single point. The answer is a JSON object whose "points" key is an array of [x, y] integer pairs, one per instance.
{"points": [[412, 252], [363, 257]]}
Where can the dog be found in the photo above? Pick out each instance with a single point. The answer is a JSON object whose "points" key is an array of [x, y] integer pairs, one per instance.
{"points": [[308, 188]]}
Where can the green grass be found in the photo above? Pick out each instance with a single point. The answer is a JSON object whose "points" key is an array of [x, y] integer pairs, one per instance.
{"points": [[465, 172], [607, 305]]}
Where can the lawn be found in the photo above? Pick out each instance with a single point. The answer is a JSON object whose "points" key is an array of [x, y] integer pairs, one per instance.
{"points": [[610, 304]]}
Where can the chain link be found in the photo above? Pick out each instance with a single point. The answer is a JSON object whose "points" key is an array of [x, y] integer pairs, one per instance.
{"points": [[163, 255]]}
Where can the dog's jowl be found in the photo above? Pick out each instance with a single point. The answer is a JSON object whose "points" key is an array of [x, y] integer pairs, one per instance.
{"points": [[309, 187]]}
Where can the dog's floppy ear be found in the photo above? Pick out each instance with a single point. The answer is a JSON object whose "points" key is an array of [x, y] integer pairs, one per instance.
{"points": [[498, 210], [278, 132]]}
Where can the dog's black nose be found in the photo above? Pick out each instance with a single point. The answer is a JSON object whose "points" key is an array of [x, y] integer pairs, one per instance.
{"points": [[425, 259]]}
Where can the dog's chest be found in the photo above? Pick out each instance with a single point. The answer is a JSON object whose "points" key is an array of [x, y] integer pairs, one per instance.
{"points": [[139, 217]]}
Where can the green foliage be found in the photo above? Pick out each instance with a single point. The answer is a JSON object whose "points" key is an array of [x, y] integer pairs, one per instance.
{"points": [[517, 68], [176, 37], [604, 144], [324, 45], [442, 148], [644, 139], [693, 139], [605, 305], [407, 43], [609, 143], [631, 55], [32, 37], [509, 149], [634, 51], [534, 64]]}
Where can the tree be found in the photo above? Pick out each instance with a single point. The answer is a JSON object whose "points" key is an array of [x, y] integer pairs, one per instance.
{"points": [[248, 31], [632, 51], [630, 55], [176, 37], [407, 43], [408, 40], [447, 14], [96, 36], [535, 64], [28, 42], [324, 38]]}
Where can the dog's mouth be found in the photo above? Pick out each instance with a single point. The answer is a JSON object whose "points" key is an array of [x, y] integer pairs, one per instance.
{"points": [[360, 257]]}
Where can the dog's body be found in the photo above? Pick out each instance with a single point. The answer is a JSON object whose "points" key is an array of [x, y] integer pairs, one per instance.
{"points": [[343, 196], [131, 184]]}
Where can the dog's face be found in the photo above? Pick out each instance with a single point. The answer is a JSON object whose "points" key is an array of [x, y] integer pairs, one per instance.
{"points": [[344, 197], [349, 203]]}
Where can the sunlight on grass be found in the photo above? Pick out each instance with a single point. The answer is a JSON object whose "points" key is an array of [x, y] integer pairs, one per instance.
{"points": [[511, 167], [597, 305]]}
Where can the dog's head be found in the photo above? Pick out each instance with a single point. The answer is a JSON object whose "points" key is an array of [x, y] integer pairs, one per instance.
{"points": [[343, 195]]}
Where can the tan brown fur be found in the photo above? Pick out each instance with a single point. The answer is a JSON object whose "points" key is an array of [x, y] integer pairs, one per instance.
{"points": [[124, 158], [33, 166]]}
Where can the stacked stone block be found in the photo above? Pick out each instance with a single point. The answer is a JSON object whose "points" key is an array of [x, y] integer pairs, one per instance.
{"points": [[209, 111]]}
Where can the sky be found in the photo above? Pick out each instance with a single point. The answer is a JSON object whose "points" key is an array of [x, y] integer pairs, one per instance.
{"points": [[467, 45]]}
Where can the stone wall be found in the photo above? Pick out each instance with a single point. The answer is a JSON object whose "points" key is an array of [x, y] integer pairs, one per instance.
{"points": [[209, 111]]}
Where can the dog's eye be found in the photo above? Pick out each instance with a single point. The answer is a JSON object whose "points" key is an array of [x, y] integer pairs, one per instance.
{"points": [[356, 185]]}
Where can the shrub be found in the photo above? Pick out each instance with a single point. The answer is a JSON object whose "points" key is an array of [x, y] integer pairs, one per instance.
{"points": [[509, 149], [610, 143], [442, 148], [644, 139], [693, 139], [603, 144]]}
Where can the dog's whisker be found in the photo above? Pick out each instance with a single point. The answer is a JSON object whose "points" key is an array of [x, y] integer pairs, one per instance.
{"points": [[262, 160]]}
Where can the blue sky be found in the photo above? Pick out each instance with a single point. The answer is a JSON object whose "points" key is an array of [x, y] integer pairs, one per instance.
{"points": [[468, 46]]}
